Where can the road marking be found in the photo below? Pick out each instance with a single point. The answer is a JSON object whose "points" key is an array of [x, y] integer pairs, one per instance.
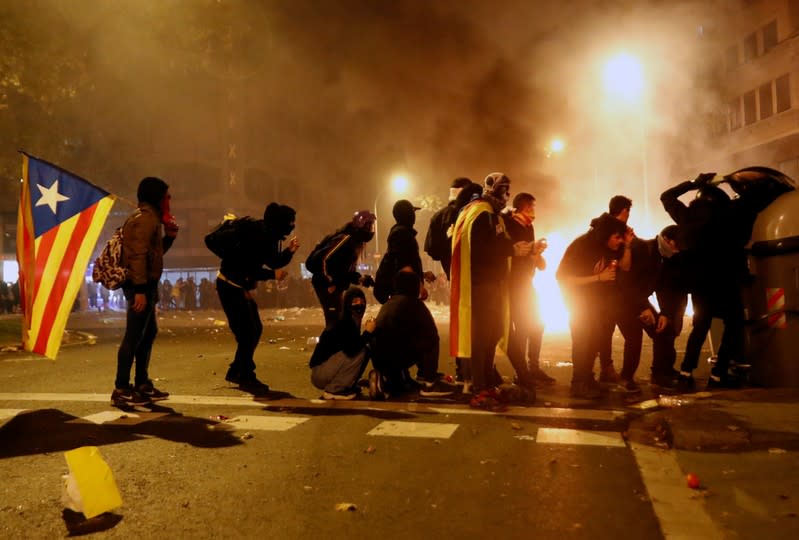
{"points": [[414, 429], [680, 516], [265, 423], [543, 412], [106, 417], [577, 436]]}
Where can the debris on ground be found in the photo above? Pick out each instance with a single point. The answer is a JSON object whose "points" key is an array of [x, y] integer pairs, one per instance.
{"points": [[346, 507], [776, 451], [246, 436], [370, 450], [89, 487], [692, 480], [516, 425]]}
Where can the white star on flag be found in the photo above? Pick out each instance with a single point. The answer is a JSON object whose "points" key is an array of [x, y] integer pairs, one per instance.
{"points": [[50, 196]]}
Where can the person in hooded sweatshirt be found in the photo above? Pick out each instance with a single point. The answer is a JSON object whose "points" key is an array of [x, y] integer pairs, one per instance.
{"points": [[405, 335], [587, 275], [338, 255], [438, 242], [146, 235], [340, 357], [260, 256]]}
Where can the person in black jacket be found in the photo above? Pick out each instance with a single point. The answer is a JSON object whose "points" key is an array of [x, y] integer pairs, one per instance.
{"points": [[438, 242], [260, 256], [340, 357], [587, 275], [406, 335], [717, 265], [338, 267], [655, 268], [526, 327]]}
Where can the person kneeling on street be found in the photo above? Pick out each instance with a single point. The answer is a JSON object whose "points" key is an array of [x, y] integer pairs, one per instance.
{"points": [[340, 357], [406, 335]]}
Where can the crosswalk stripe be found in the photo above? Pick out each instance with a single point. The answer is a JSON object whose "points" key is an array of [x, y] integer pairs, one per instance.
{"points": [[265, 423], [579, 437], [428, 430]]}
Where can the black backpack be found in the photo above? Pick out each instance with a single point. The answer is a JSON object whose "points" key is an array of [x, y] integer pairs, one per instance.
{"points": [[437, 244], [384, 277], [228, 238], [314, 261]]}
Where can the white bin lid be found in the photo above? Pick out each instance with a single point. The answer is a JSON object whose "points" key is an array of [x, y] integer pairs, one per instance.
{"points": [[779, 220]]}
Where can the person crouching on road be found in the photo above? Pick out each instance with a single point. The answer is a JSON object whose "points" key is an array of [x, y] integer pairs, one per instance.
{"points": [[340, 357], [260, 256]]}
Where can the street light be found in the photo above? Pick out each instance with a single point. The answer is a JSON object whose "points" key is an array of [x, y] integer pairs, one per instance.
{"points": [[556, 146], [623, 79], [399, 185]]}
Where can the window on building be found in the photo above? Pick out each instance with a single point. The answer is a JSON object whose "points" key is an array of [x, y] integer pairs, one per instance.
{"points": [[783, 93], [769, 36], [766, 101], [735, 113], [750, 108], [750, 47], [731, 57]]}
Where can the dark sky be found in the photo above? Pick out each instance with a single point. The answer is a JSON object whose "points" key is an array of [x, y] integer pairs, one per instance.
{"points": [[342, 93]]}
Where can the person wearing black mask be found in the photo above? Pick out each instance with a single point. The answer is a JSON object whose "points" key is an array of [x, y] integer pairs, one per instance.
{"points": [[341, 355], [146, 235], [259, 256], [334, 263]]}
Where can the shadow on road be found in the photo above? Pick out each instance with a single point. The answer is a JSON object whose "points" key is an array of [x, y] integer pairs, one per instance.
{"points": [[52, 430]]}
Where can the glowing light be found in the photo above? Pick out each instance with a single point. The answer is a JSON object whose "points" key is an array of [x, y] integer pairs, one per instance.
{"points": [[623, 76], [550, 300], [557, 145], [400, 184]]}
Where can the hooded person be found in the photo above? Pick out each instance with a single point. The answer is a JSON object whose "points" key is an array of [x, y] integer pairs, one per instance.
{"points": [[334, 262], [406, 335], [259, 256], [479, 312], [340, 357], [587, 275], [438, 242], [146, 235]]}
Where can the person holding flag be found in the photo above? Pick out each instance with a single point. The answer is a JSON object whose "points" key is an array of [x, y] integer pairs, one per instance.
{"points": [[147, 234]]}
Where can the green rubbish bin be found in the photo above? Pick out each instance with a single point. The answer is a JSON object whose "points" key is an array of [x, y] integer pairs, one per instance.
{"points": [[772, 298]]}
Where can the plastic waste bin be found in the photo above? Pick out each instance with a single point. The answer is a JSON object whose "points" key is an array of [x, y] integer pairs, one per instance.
{"points": [[772, 298]]}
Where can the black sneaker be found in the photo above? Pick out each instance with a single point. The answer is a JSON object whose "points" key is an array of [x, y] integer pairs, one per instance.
{"points": [[121, 397], [437, 388], [376, 386], [629, 386], [254, 386], [589, 389], [541, 377], [148, 390], [664, 381], [608, 375], [685, 381], [233, 376]]}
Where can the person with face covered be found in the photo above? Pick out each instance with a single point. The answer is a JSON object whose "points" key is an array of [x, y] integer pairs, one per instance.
{"points": [[405, 335], [479, 312], [260, 256], [146, 235], [587, 275], [438, 242], [341, 355], [334, 263]]}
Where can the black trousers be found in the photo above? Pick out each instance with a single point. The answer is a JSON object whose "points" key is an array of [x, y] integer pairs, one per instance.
{"points": [[526, 334], [140, 331], [632, 329], [725, 303], [330, 301], [586, 326], [487, 318], [245, 323]]}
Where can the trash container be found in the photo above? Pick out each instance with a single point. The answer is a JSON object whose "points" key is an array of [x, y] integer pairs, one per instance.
{"points": [[772, 298]]}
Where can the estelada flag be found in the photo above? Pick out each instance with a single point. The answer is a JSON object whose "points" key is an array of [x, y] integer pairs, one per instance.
{"points": [[60, 218]]}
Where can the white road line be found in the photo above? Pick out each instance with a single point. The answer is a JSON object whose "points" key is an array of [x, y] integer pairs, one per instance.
{"points": [[577, 436], [414, 429], [265, 423], [680, 516], [106, 417], [543, 412]]}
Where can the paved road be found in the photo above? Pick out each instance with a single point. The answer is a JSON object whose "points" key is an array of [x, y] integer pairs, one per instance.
{"points": [[213, 462]]}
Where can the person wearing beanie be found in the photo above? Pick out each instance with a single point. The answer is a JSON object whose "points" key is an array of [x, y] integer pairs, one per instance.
{"points": [[438, 242], [259, 255], [479, 311], [147, 234], [334, 263], [587, 275]]}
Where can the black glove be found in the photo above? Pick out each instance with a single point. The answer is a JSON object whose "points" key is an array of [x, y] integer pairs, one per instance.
{"points": [[704, 178], [368, 281], [355, 277]]}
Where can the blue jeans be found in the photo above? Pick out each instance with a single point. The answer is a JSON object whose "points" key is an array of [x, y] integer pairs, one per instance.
{"points": [[140, 332]]}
